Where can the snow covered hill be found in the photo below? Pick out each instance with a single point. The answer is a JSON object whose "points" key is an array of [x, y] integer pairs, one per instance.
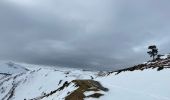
{"points": [[142, 82], [11, 68], [36, 83]]}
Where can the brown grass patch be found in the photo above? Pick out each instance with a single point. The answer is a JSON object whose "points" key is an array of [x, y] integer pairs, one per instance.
{"points": [[83, 86]]}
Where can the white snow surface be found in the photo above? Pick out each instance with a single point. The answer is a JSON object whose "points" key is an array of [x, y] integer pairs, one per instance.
{"points": [[137, 85], [11, 68]]}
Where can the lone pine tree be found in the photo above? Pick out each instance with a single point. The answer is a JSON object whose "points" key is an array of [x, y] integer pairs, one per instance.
{"points": [[153, 51]]}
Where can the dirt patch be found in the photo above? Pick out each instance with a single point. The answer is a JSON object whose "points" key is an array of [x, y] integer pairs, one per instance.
{"points": [[84, 86]]}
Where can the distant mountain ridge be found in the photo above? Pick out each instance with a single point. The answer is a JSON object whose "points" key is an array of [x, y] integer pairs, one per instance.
{"points": [[11, 68]]}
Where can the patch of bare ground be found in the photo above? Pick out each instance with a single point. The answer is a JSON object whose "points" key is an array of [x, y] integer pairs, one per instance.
{"points": [[84, 86]]}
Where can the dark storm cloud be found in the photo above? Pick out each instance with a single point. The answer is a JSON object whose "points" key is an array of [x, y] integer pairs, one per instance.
{"points": [[78, 33]]}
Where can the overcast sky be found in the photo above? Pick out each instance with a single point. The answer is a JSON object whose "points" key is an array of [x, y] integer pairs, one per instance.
{"points": [[77, 33]]}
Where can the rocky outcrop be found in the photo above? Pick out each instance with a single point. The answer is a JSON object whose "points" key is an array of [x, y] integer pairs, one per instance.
{"points": [[159, 64]]}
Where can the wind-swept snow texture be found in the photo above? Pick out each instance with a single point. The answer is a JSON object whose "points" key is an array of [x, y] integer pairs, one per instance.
{"points": [[43, 83]]}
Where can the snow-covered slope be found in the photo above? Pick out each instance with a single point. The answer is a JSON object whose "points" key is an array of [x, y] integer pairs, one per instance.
{"points": [[138, 85], [11, 68], [39, 82], [43, 83]]}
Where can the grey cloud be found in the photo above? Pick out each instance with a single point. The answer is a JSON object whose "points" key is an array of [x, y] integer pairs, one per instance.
{"points": [[86, 34]]}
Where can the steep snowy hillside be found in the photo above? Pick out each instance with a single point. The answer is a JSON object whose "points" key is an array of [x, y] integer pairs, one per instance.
{"points": [[149, 81]]}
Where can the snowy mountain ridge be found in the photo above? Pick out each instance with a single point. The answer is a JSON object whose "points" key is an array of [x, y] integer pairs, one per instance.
{"points": [[11, 68], [19, 82]]}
